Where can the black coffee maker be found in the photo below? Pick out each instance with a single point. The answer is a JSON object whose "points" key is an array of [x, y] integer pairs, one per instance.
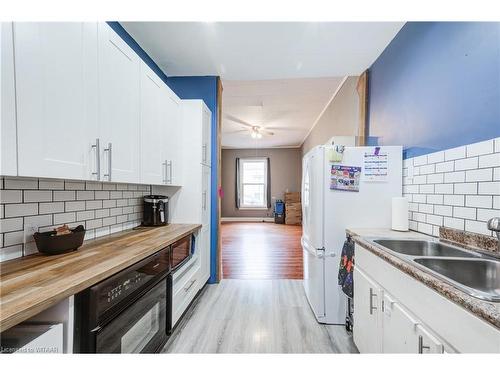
{"points": [[155, 211]]}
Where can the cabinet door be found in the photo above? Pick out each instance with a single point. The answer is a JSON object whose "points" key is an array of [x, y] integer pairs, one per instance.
{"points": [[427, 342], [152, 164], [205, 197], [399, 328], [56, 89], [8, 148], [172, 137], [206, 136], [367, 317], [119, 107]]}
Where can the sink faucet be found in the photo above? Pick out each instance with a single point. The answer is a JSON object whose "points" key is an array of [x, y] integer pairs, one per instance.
{"points": [[494, 225]]}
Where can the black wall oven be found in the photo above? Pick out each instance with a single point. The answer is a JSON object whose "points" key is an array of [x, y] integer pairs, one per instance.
{"points": [[128, 312]]}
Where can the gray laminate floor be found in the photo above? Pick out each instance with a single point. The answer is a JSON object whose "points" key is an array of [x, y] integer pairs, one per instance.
{"points": [[256, 316]]}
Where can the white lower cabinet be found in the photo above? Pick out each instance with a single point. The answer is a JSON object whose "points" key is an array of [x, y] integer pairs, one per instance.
{"points": [[395, 313], [367, 317], [185, 287]]}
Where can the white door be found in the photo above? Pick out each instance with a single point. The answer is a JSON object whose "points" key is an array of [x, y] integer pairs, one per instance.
{"points": [[205, 196], [56, 89], [172, 137], [8, 148], [119, 117], [206, 135], [153, 170], [367, 332]]}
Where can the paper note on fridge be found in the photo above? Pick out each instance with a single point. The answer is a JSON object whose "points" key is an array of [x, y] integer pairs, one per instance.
{"points": [[376, 165], [345, 178]]}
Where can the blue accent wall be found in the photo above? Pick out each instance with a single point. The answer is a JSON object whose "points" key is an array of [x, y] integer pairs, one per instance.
{"points": [[205, 88], [436, 86]]}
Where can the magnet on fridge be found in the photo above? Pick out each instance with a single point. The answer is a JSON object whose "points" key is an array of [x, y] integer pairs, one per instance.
{"points": [[336, 153]]}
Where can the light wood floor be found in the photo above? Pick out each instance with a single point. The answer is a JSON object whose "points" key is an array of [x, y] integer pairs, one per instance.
{"points": [[261, 251], [256, 316]]}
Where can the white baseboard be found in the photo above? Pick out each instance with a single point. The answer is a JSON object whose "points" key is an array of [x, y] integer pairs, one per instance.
{"points": [[247, 219]]}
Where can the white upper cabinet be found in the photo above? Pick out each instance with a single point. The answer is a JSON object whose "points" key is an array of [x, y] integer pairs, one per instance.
{"points": [[172, 137], [56, 87], [119, 107], [8, 144], [153, 166]]}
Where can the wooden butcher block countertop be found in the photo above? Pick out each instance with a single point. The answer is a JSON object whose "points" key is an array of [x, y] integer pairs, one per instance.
{"points": [[31, 284]]}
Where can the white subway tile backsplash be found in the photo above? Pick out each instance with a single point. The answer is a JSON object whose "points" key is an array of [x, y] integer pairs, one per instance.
{"points": [[426, 189], [466, 188], [469, 163], [74, 185], [51, 184], [455, 153], [419, 198], [425, 228], [490, 160], [420, 179], [455, 223], [496, 202], [477, 227], [435, 220], [93, 205], [435, 199], [51, 208], [496, 174], [454, 177], [447, 166], [9, 225], [84, 195], [464, 212], [479, 175], [497, 145], [443, 188], [435, 178], [427, 169], [443, 210], [64, 196], [435, 157], [74, 206], [484, 214], [482, 201], [492, 188], [21, 209], [64, 218], [454, 200], [426, 208], [46, 203], [480, 148], [20, 183], [11, 196]]}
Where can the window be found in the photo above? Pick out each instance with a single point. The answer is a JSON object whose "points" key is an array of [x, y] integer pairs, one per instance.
{"points": [[252, 190]]}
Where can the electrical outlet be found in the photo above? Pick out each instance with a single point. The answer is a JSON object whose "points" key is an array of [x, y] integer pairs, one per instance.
{"points": [[29, 230]]}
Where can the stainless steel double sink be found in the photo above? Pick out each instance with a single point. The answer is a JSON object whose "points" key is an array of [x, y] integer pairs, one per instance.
{"points": [[475, 274]]}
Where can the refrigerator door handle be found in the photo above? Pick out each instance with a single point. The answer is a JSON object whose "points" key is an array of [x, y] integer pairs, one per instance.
{"points": [[317, 252]]}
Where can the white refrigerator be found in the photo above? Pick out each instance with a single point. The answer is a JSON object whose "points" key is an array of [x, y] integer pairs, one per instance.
{"points": [[327, 212]]}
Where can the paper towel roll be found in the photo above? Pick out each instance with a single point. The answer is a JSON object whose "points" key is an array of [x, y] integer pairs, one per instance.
{"points": [[400, 214]]}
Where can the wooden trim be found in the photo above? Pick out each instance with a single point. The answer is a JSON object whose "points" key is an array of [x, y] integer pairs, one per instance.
{"points": [[219, 178], [362, 88]]}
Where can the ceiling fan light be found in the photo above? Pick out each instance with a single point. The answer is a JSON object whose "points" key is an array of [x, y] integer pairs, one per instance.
{"points": [[254, 134], [259, 135]]}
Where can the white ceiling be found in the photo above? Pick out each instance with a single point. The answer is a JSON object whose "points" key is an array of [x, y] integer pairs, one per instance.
{"points": [[273, 73], [263, 50], [288, 108]]}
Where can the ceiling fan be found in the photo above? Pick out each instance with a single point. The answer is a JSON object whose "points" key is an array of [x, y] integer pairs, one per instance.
{"points": [[256, 132]]}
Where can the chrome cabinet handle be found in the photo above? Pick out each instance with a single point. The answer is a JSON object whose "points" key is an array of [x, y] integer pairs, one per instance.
{"points": [[204, 152], [164, 165], [421, 345], [110, 162], [97, 149], [170, 175], [372, 308], [186, 289]]}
